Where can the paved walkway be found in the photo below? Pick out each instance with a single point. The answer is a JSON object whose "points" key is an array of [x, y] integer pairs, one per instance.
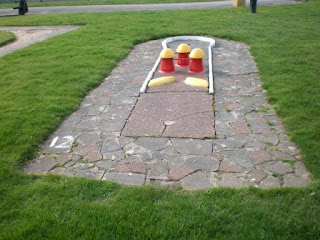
{"points": [[137, 7], [25, 36], [250, 146]]}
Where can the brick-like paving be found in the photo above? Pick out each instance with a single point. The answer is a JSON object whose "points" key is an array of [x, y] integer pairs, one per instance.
{"points": [[250, 145]]}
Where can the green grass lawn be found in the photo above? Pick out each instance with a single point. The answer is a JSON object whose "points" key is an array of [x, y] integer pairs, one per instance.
{"points": [[42, 84], [97, 2], [6, 37]]}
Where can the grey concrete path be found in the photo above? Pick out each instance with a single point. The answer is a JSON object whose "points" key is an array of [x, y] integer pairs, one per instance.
{"points": [[25, 36], [250, 146], [137, 7]]}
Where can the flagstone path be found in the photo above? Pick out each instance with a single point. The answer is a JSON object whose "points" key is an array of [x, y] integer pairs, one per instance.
{"points": [[249, 148]]}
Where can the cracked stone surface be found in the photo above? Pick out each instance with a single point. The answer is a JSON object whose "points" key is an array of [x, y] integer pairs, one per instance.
{"points": [[172, 114], [249, 146]]}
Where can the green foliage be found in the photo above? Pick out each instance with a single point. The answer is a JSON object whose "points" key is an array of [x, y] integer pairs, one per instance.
{"points": [[43, 83], [263, 110], [59, 208]]}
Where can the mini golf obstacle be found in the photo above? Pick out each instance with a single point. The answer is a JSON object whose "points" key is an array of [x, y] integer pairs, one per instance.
{"points": [[183, 55], [166, 58], [174, 99]]}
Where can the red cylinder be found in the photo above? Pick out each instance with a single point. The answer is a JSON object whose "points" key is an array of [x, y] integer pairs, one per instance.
{"points": [[183, 60], [167, 65], [196, 66]]}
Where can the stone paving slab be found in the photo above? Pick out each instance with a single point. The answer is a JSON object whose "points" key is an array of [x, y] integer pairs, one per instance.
{"points": [[171, 114], [250, 146]]}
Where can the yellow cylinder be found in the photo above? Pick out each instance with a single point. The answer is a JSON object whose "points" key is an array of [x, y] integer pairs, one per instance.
{"points": [[197, 53], [167, 53], [183, 48]]}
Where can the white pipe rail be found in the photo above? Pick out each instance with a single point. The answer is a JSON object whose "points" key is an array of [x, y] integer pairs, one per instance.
{"points": [[184, 38]]}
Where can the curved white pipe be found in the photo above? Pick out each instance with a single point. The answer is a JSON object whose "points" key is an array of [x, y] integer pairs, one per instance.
{"points": [[184, 38], [150, 75], [188, 38]]}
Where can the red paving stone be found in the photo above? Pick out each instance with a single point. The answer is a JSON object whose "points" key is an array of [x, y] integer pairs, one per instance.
{"points": [[240, 127], [87, 149], [260, 156], [93, 157], [179, 173], [199, 125], [233, 106], [257, 175], [264, 132], [131, 167], [228, 167], [142, 126], [189, 115]]}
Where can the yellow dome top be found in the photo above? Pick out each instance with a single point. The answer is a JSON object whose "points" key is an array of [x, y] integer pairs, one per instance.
{"points": [[197, 53], [167, 53], [183, 48]]}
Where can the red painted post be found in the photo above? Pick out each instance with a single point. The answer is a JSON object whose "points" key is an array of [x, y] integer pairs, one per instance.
{"points": [[183, 55], [167, 65], [196, 56]]}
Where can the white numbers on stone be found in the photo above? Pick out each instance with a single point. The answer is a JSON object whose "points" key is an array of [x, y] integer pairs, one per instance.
{"points": [[67, 142], [54, 141]]}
